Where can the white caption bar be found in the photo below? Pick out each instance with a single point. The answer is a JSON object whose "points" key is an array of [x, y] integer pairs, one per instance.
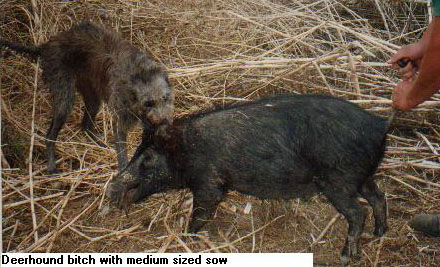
{"points": [[158, 259]]}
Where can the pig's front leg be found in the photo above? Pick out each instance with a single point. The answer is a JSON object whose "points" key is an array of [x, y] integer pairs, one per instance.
{"points": [[205, 204]]}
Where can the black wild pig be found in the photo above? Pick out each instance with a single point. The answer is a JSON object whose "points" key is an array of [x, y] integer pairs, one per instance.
{"points": [[103, 67], [276, 148]]}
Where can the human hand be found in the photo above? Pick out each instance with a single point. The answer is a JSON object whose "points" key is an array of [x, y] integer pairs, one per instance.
{"points": [[412, 54], [401, 98]]}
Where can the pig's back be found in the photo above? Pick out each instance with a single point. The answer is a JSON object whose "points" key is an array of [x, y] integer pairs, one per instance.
{"points": [[267, 148]]}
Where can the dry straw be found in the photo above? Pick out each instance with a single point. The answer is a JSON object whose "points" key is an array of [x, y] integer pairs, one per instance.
{"points": [[217, 52]]}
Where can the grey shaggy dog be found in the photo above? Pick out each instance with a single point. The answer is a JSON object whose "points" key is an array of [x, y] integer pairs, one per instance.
{"points": [[103, 67]]}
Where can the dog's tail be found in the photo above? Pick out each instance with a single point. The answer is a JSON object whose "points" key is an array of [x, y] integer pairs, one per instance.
{"points": [[31, 51]]}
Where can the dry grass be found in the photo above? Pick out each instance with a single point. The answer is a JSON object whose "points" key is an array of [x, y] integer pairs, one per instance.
{"points": [[217, 52]]}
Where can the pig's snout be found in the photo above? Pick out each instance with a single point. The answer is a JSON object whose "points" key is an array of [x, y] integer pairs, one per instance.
{"points": [[114, 190], [123, 190], [116, 185]]}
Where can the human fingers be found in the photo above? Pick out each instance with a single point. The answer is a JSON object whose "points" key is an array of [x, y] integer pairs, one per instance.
{"points": [[408, 71]]}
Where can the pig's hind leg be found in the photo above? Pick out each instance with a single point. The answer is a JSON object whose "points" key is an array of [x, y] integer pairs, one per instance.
{"points": [[343, 196], [376, 199]]}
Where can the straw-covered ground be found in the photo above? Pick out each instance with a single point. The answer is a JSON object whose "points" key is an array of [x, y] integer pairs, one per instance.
{"points": [[217, 52]]}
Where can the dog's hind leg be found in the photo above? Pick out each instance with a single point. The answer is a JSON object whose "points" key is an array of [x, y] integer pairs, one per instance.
{"points": [[63, 96], [92, 104]]}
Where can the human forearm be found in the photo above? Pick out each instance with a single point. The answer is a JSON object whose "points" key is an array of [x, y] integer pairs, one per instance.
{"points": [[427, 36], [428, 80]]}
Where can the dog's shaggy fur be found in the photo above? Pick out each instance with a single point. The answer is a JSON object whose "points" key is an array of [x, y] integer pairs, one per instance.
{"points": [[103, 67]]}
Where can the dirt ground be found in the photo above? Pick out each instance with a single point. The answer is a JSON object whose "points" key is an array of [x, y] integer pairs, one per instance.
{"points": [[217, 52]]}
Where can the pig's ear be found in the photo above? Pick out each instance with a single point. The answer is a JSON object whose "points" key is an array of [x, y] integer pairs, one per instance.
{"points": [[147, 161], [150, 158]]}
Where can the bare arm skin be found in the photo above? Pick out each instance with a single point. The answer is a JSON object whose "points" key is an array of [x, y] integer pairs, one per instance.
{"points": [[425, 55], [413, 53]]}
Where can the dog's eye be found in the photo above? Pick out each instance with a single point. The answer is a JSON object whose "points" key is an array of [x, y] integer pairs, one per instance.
{"points": [[149, 104], [133, 96]]}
